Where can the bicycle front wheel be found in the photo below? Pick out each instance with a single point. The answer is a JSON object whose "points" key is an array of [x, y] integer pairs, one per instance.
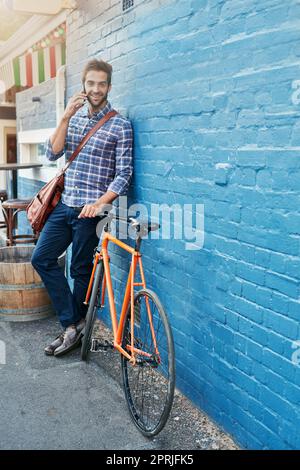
{"points": [[92, 311], [149, 384]]}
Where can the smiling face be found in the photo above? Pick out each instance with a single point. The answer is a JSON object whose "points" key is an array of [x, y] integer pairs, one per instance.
{"points": [[97, 89]]}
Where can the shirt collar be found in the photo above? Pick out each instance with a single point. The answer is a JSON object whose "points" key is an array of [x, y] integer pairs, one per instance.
{"points": [[85, 111]]}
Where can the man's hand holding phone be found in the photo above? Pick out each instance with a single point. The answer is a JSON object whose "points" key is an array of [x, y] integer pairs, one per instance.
{"points": [[75, 102]]}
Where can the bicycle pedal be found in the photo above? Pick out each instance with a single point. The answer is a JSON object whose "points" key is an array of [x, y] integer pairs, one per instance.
{"points": [[97, 346]]}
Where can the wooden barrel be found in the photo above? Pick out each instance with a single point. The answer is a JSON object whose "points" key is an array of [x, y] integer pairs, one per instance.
{"points": [[23, 296]]}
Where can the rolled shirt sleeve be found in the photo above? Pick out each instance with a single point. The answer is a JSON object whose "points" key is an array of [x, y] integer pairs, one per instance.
{"points": [[124, 164], [50, 155]]}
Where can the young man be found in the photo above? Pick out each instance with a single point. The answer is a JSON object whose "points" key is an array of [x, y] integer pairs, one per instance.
{"points": [[101, 171]]}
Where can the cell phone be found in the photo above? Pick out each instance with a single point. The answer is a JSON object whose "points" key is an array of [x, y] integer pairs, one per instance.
{"points": [[85, 99]]}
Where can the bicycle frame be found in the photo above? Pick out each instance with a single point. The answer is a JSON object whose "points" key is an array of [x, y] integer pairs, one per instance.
{"points": [[117, 327]]}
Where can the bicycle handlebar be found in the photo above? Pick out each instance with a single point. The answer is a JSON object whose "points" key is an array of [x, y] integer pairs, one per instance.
{"points": [[128, 220], [138, 225]]}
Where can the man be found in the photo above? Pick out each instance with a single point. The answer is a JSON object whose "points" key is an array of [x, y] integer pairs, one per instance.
{"points": [[101, 171]]}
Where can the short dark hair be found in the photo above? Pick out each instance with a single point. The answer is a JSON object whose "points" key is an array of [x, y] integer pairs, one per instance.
{"points": [[99, 66]]}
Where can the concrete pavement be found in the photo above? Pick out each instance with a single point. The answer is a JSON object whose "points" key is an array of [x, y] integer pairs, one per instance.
{"points": [[52, 403], [64, 403]]}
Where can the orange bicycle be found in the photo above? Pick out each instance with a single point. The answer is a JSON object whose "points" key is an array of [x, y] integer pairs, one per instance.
{"points": [[142, 335]]}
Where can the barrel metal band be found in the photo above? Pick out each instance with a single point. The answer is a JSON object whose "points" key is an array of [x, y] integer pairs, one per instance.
{"points": [[23, 311], [38, 285]]}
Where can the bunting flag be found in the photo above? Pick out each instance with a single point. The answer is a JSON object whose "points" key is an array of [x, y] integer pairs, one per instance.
{"points": [[23, 78], [45, 65], [7, 75], [28, 65], [52, 62], [41, 66], [39, 63], [33, 68]]}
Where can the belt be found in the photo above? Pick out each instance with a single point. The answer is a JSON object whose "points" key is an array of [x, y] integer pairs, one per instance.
{"points": [[77, 208]]}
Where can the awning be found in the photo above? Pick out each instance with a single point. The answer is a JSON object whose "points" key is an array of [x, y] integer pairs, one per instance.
{"points": [[38, 64]]}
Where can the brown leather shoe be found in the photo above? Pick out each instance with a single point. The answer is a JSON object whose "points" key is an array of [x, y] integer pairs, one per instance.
{"points": [[71, 339], [49, 350], [80, 327]]}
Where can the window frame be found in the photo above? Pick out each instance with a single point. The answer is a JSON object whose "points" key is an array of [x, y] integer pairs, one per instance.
{"points": [[37, 136]]}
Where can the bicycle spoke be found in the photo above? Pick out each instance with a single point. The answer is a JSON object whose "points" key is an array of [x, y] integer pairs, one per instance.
{"points": [[149, 385]]}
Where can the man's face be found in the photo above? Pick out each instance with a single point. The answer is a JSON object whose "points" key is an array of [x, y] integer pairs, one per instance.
{"points": [[96, 88]]}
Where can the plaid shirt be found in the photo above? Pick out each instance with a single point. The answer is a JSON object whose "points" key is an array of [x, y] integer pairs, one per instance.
{"points": [[104, 163]]}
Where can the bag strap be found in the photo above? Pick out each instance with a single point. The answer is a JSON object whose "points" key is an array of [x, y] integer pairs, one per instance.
{"points": [[87, 137]]}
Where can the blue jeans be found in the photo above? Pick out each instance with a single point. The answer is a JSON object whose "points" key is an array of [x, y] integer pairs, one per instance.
{"points": [[61, 229]]}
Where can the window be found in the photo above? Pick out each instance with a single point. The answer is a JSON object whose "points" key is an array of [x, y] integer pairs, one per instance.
{"points": [[32, 146], [127, 4], [32, 149], [37, 154]]}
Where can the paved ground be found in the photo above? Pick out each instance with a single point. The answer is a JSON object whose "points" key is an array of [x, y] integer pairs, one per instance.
{"points": [[63, 403]]}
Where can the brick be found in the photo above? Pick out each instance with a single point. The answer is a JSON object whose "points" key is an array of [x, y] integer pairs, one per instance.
{"points": [[264, 297], [294, 181], [238, 396], [281, 324], [247, 253], [276, 402], [277, 262], [283, 284], [278, 365], [280, 303], [293, 308], [245, 364], [251, 273], [246, 177], [283, 159], [249, 291], [260, 373], [245, 382], [250, 118], [253, 331], [262, 258], [254, 350], [248, 310], [255, 409]]}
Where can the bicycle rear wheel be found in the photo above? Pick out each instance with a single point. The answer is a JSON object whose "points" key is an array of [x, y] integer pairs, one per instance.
{"points": [[149, 385], [92, 311]]}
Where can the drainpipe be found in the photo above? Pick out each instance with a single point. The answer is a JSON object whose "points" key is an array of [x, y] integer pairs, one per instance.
{"points": [[60, 87]]}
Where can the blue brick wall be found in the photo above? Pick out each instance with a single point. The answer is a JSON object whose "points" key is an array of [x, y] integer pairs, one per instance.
{"points": [[208, 85], [210, 88]]}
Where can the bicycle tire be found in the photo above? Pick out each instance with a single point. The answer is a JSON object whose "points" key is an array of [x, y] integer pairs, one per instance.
{"points": [[149, 385], [92, 312]]}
